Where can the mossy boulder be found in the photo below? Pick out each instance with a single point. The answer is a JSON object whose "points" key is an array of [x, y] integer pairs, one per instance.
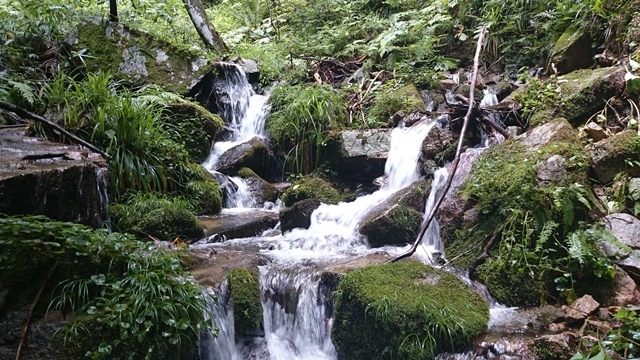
{"points": [[397, 220], [260, 188], [572, 51], [245, 296], [406, 99], [539, 181], [136, 56], [405, 310], [582, 93], [311, 188], [206, 196], [161, 217], [255, 154], [298, 215], [193, 126], [616, 154]]}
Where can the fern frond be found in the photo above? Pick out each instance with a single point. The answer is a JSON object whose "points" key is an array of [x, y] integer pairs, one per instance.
{"points": [[24, 90]]}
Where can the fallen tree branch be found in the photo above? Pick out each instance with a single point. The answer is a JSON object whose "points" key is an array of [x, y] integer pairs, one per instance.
{"points": [[496, 127], [29, 115], [456, 160], [25, 331]]}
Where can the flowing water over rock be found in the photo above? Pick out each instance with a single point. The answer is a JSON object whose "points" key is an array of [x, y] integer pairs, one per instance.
{"points": [[244, 113]]}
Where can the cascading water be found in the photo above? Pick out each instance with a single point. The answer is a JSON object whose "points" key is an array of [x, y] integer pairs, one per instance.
{"points": [[431, 243], [244, 113], [224, 345]]}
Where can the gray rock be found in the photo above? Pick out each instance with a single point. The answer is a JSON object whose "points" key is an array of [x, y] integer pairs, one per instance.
{"points": [[553, 346], [63, 182], [298, 215], [436, 141], [232, 226], [544, 133], [552, 171], [362, 152], [626, 229], [624, 290], [255, 154], [580, 309], [250, 68]]}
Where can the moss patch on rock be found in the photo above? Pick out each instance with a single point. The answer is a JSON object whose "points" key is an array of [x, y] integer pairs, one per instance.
{"points": [[267, 192], [529, 194], [311, 188], [405, 310], [205, 195], [245, 294], [193, 126], [396, 225], [407, 99], [162, 217]]}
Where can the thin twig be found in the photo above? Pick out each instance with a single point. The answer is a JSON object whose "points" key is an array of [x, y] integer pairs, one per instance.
{"points": [[456, 160], [27, 114], [25, 331]]}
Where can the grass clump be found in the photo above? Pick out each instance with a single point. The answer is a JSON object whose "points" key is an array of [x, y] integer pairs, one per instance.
{"points": [[131, 300], [405, 310], [245, 294], [300, 119]]}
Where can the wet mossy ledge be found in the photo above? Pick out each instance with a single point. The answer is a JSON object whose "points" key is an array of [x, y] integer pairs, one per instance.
{"points": [[405, 310], [311, 188], [244, 288]]}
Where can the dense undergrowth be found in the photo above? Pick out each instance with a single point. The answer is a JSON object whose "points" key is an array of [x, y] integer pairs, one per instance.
{"points": [[131, 300]]}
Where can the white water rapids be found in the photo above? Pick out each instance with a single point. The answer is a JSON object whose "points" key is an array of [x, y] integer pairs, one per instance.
{"points": [[296, 308]]}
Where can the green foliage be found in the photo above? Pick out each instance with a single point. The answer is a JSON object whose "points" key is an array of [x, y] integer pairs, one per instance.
{"points": [[544, 248], [247, 306], [131, 300], [621, 342], [300, 119], [161, 216], [393, 99], [405, 310], [538, 95]]}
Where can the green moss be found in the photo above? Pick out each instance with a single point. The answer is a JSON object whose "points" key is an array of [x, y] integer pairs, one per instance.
{"points": [[387, 103], [205, 195], [245, 294], [399, 226], [159, 216], [193, 126], [508, 286], [104, 53], [405, 310], [311, 188], [269, 192]]}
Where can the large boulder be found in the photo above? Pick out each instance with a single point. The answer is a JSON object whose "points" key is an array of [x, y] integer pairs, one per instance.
{"points": [[136, 56], [63, 182], [397, 220], [405, 310], [362, 152], [255, 154], [616, 154], [572, 51]]}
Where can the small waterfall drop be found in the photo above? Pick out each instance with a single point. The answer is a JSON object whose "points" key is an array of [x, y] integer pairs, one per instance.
{"points": [[333, 228], [244, 113], [224, 345], [431, 244], [242, 197]]}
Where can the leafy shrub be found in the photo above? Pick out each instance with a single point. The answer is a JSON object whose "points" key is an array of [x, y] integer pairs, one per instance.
{"points": [[300, 118], [206, 196], [130, 299]]}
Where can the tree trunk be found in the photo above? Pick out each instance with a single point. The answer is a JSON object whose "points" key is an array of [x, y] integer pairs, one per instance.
{"points": [[113, 10], [205, 29]]}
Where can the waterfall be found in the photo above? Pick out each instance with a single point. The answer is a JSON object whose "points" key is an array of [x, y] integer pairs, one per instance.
{"points": [[224, 345], [431, 245], [333, 228], [241, 196], [296, 321], [244, 113]]}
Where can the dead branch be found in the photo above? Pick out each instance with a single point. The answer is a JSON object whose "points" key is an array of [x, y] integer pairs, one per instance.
{"points": [[29, 115], [456, 160], [485, 251], [496, 127], [25, 331]]}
